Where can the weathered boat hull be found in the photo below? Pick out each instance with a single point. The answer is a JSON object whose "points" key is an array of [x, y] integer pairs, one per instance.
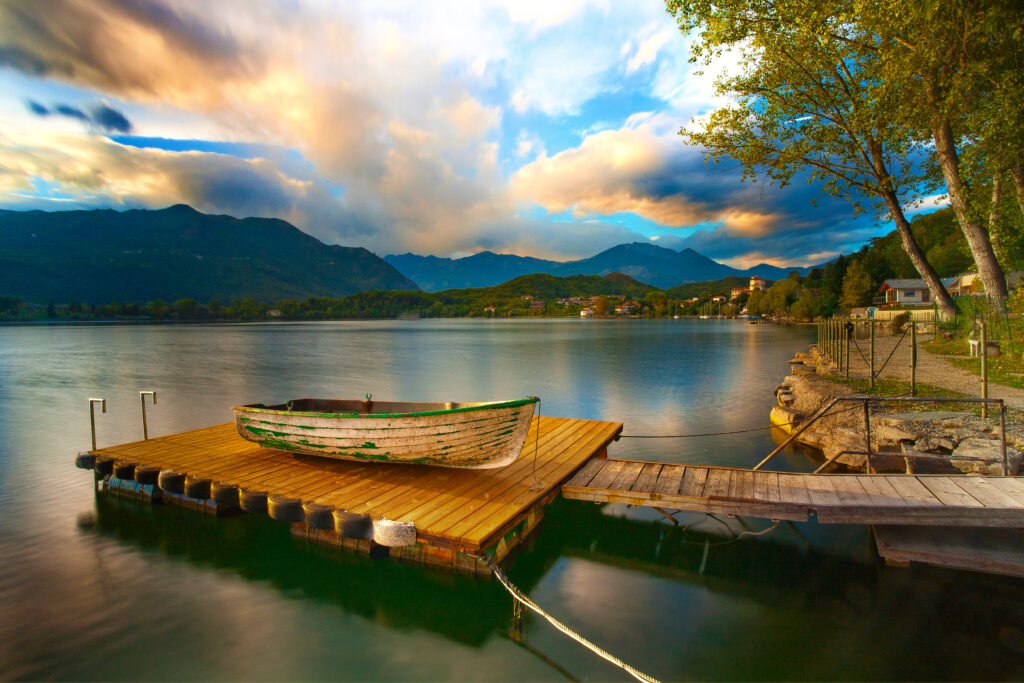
{"points": [[467, 435]]}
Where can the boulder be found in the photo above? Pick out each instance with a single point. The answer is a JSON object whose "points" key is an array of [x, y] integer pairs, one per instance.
{"points": [[934, 443], [984, 456]]}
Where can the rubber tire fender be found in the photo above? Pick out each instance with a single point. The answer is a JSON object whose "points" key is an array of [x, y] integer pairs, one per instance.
{"points": [[284, 508], [253, 501], [124, 470], [147, 474], [353, 525], [171, 481], [85, 460], [318, 516], [197, 487], [104, 465], [224, 495]]}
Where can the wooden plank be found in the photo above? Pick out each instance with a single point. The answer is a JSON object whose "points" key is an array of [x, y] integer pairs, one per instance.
{"points": [[588, 472], [766, 486], [995, 551], [849, 490], [693, 481], [946, 490], [718, 483], [669, 479], [607, 474], [741, 485], [881, 491], [629, 474], [820, 491], [985, 493], [793, 489], [1011, 486], [912, 490], [648, 477]]}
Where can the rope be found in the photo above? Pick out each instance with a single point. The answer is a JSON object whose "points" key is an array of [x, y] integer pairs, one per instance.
{"points": [[522, 598], [734, 539]]}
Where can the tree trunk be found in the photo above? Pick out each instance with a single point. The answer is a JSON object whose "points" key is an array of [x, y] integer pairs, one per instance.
{"points": [[931, 278], [991, 272], [993, 218], [1018, 181]]}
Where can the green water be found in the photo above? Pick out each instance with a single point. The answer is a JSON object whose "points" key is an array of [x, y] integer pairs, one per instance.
{"points": [[100, 588]]}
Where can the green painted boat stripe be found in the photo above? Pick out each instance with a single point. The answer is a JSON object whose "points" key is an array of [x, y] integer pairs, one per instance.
{"points": [[428, 413]]}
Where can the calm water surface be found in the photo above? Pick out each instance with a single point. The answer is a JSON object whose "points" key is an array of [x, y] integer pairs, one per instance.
{"points": [[97, 588]]}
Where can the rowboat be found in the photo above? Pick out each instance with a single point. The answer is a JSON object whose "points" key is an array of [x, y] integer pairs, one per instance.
{"points": [[466, 435]]}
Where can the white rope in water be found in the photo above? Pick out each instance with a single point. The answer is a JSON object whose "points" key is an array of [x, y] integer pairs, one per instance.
{"points": [[518, 595]]}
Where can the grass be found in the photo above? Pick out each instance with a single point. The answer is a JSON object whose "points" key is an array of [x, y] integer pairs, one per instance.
{"points": [[1006, 369]]}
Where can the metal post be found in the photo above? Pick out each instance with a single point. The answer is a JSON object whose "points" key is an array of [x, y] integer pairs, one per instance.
{"points": [[1002, 435], [92, 416], [913, 358], [867, 434], [142, 399], [984, 369], [871, 369]]}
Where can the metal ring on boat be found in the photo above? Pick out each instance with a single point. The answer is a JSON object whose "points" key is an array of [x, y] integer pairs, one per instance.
{"points": [[171, 481], [352, 525], [284, 508], [253, 501], [146, 474], [318, 516], [85, 460], [124, 470], [224, 495], [104, 465], [393, 534], [197, 487]]}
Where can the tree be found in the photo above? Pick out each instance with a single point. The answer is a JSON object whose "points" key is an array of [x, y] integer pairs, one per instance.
{"points": [[601, 306], [858, 287], [954, 72], [808, 99]]}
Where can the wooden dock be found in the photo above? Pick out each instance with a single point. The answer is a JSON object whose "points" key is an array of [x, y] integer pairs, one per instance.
{"points": [[968, 501], [456, 512]]}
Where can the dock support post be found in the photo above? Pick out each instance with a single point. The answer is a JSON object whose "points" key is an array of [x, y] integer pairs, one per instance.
{"points": [[1002, 435], [984, 369], [92, 416], [871, 369], [913, 358], [867, 434], [142, 398]]}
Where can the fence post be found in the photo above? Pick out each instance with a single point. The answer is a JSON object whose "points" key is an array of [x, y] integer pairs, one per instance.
{"points": [[867, 434], [871, 363], [913, 358], [848, 327], [984, 369]]}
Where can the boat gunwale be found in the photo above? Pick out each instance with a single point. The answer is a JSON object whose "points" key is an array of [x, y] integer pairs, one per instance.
{"points": [[515, 403]]}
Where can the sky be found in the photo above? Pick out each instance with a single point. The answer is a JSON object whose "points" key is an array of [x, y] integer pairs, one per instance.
{"points": [[534, 127]]}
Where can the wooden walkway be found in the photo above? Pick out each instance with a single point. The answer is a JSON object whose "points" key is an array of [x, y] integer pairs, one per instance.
{"points": [[833, 498], [465, 510]]}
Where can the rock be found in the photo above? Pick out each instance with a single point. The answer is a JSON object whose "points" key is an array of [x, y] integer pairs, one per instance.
{"points": [[803, 370], [931, 443], [891, 435], [984, 456], [926, 463]]}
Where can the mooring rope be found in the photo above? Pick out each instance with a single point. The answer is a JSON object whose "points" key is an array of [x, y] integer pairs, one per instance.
{"points": [[522, 598]]}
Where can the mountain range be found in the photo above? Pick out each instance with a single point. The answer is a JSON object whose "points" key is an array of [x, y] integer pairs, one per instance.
{"points": [[648, 263], [103, 256]]}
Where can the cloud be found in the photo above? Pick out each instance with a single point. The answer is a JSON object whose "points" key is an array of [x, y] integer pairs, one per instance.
{"points": [[101, 116]]}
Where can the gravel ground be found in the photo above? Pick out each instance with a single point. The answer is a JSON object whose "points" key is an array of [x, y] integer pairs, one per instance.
{"points": [[931, 369]]}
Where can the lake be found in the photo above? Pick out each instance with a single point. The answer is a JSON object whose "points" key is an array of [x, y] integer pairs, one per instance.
{"points": [[93, 587]]}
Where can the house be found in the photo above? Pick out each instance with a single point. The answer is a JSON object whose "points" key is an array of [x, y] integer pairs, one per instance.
{"points": [[526, 297], [537, 305], [758, 283], [907, 292], [273, 313], [718, 299], [970, 284], [587, 313], [737, 292], [489, 310], [628, 308]]}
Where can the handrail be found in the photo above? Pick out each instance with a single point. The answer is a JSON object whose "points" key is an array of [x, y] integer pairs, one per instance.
{"points": [[867, 400]]}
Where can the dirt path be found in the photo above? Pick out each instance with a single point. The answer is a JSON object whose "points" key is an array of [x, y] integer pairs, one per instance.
{"points": [[931, 369]]}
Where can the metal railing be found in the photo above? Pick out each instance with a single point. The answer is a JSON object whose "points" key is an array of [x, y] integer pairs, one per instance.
{"points": [[867, 401]]}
